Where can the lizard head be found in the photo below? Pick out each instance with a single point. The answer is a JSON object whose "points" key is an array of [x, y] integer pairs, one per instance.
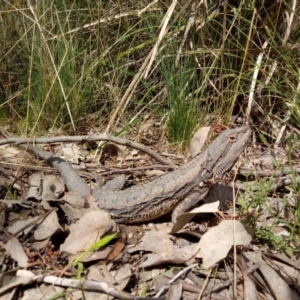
{"points": [[226, 149]]}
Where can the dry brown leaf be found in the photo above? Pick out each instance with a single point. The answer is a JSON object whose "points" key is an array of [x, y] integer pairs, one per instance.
{"points": [[163, 249], [249, 289], [47, 227], [122, 276], [174, 292], [198, 140], [187, 217], [86, 231], [75, 213], [45, 188], [278, 287], [44, 228], [292, 261], [14, 248], [118, 247], [216, 243], [288, 272]]}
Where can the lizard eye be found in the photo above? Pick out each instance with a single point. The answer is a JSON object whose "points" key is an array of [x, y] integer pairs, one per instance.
{"points": [[232, 138]]}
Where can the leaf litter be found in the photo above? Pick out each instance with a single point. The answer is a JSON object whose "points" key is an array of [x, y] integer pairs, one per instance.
{"points": [[147, 261]]}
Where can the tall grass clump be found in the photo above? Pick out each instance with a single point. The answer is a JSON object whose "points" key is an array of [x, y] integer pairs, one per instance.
{"points": [[62, 61], [184, 111]]}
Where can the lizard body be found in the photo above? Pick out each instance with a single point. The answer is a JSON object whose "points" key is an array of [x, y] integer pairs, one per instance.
{"points": [[178, 190]]}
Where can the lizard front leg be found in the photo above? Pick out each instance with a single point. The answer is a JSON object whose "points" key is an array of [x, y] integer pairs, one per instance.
{"points": [[196, 195]]}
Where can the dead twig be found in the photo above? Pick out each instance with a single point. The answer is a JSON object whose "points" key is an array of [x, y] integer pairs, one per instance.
{"points": [[8, 174], [167, 286], [82, 284], [228, 282]]}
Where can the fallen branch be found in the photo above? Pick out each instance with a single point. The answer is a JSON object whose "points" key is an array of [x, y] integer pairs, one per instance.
{"points": [[88, 138]]}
